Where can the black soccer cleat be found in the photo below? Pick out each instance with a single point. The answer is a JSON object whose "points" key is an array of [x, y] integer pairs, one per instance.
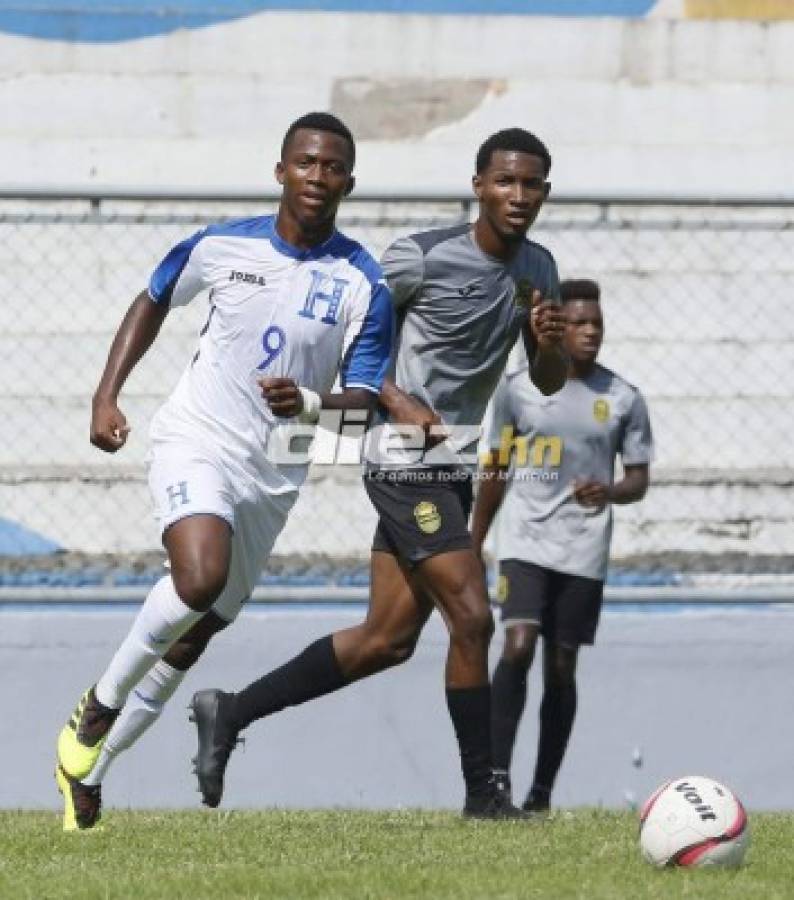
{"points": [[82, 803], [538, 801], [494, 805], [217, 737]]}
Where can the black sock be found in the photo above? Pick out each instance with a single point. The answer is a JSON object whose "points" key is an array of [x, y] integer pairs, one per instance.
{"points": [[508, 696], [557, 711], [470, 710], [310, 674]]}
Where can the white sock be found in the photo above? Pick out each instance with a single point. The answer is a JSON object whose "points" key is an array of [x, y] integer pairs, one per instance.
{"points": [[162, 619], [140, 712]]}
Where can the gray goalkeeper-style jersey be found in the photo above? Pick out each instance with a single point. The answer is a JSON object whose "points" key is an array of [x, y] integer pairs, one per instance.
{"points": [[552, 441], [459, 312]]}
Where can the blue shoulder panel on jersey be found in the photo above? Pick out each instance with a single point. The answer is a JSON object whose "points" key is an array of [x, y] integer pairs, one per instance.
{"points": [[166, 275], [253, 227], [369, 354], [367, 359], [343, 247]]}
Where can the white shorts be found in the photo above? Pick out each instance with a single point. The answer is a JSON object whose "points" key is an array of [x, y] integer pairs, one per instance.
{"points": [[187, 480]]}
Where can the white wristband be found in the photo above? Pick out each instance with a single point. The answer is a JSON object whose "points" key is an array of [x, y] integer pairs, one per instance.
{"points": [[312, 404]]}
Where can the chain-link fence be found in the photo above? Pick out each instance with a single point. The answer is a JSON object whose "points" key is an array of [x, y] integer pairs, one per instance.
{"points": [[696, 299]]}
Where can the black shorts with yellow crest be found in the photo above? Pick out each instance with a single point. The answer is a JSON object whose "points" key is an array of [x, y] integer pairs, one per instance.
{"points": [[565, 607], [422, 512]]}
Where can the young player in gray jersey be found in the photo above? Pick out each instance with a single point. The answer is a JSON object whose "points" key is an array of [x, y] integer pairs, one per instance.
{"points": [[463, 296], [555, 526]]}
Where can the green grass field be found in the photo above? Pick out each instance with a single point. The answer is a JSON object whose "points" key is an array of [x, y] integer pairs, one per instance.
{"points": [[588, 854]]}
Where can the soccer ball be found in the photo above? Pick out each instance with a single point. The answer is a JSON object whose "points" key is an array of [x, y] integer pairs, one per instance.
{"points": [[693, 821]]}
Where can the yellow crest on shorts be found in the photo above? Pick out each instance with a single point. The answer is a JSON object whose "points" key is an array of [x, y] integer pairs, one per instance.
{"points": [[502, 589], [427, 516], [601, 410]]}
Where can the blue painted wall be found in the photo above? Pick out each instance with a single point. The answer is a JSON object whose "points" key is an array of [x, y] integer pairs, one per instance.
{"points": [[16, 540], [101, 21]]}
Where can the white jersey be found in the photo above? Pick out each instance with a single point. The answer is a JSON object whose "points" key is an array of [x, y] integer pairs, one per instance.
{"points": [[275, 310]]}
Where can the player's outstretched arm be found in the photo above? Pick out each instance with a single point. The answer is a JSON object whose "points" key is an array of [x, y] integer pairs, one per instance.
{"points": [[549, 367], [139, 328], [491, 486]]}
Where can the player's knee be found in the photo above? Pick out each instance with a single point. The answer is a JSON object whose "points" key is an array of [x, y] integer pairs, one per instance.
{"points": [[467, 609], [472, 622], [199, 586], [519, 653], [383, 652], [520, 643], [404, 650], [400, 652]]}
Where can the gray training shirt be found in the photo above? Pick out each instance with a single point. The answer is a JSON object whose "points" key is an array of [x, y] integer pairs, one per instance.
{"points": [[459, 312], [574, 434]]}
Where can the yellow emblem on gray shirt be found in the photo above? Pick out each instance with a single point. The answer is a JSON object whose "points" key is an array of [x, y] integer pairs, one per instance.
{"points": [[427, 516], [502, 589], [601, 410]]}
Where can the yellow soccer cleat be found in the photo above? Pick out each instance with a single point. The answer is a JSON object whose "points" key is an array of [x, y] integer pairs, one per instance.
{"points": [[82, 737], [82, 804]]}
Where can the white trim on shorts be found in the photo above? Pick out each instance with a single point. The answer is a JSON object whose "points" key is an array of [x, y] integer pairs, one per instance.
{"points": [[507, 622]]}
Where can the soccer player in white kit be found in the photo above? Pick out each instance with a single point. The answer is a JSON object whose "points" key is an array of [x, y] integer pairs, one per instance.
{"points": [[294, 304]]}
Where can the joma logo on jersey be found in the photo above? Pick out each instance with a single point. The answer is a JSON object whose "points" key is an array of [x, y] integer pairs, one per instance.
{"points": [[247, 278], [325, 290], [545, 450]]}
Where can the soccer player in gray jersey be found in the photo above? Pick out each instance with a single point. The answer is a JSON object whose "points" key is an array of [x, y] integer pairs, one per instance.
{"points": [[463, 296], [556, 524]]}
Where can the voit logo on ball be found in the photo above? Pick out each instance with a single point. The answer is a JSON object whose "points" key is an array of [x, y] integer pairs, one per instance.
{"points": [[693, 821]]}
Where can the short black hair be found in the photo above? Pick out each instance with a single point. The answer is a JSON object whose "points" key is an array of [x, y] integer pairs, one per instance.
{"points": [[512, 139], [320, 121], [579, 289]]}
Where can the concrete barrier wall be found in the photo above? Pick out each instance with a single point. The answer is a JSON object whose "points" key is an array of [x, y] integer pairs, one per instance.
{"points": [[682, 688], [644, 105]]}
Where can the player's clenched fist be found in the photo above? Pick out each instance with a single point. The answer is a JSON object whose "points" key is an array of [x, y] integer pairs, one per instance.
{"points": [[405, 409], [109, 428], [547, 321], [282, 395]]}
